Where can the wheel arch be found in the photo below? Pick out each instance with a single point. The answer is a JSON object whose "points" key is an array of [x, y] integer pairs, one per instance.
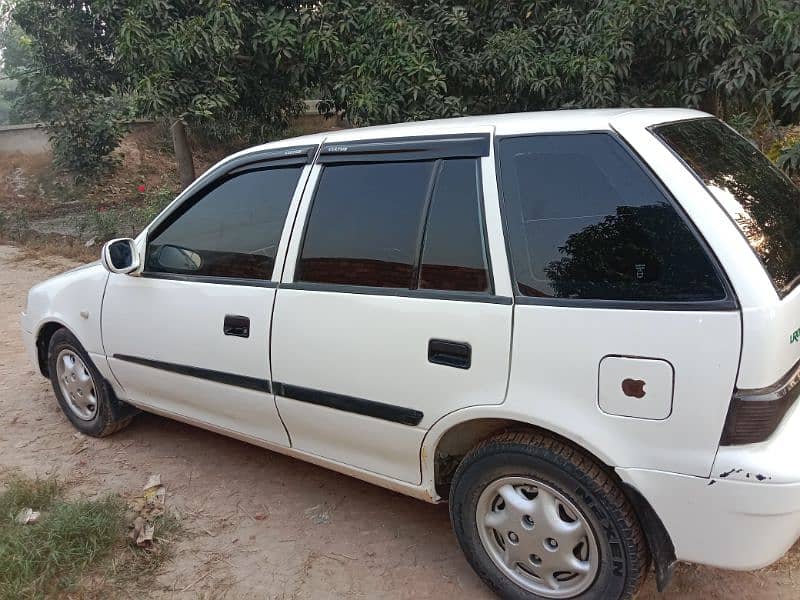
{"points": [[446, 444], [452, 436], [43, 336]]}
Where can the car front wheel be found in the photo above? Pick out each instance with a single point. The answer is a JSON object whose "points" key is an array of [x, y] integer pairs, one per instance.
{"points": [[83, 395], [538, 518]]}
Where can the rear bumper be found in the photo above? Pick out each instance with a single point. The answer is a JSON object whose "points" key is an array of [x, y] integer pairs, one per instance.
{"points": [[728, 524], [746, 515]]}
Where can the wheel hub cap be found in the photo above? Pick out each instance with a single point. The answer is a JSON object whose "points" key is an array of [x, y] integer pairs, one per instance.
{"points": [[537, 537], [77, 385]]}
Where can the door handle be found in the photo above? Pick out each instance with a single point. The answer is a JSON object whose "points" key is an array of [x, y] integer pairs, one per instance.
{"points": [[236, 325], [450, 354]]}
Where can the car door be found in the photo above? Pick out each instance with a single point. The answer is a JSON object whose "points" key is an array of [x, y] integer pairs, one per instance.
{"points": [[388, 316], [190, 335]]}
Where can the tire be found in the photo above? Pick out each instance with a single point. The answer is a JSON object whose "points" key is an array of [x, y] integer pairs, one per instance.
{"points": [[564, 511], [84, 396]]}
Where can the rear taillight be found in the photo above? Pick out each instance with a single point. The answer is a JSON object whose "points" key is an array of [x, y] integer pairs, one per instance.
{"points": [[755, 414]]}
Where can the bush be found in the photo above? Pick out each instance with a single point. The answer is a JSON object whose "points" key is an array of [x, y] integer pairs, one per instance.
{"points": [[86, 132], [789, 160]]}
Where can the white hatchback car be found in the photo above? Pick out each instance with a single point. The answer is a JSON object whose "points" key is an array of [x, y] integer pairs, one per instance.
{"points": [[580, 328]]}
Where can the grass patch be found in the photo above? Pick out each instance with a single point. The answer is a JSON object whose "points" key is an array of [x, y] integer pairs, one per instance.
{"points": [[50, 556], [23, 493], [76, 543]]}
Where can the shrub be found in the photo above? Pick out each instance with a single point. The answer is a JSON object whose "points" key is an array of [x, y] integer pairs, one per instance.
{"points": [[86, 132]]}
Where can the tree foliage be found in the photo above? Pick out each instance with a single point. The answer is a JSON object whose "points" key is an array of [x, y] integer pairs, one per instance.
{"points": [[234, 63], [232, 66], [69, 79], [240, 67], [14, 54], [394, 59]]}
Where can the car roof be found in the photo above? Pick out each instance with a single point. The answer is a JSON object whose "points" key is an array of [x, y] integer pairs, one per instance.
{"points": [[596, 119], [549, 121]]}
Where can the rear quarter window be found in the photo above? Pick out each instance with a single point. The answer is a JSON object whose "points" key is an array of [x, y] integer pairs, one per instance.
{"points": [[762, 202], [587, 222]]}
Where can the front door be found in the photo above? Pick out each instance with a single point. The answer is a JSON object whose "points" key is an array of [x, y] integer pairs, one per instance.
{"points": [[390, 319], [190, 335]]}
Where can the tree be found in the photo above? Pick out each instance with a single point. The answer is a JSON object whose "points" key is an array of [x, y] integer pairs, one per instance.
{"points": [[68, 78], [401, 59], [15, 55], [377, 62], [235, 62], [240, 67]]}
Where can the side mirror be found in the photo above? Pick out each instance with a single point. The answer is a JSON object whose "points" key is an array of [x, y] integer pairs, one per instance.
{"points": [[120, 256]]}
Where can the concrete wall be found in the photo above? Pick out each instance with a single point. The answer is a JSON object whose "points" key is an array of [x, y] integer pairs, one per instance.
{"points": [[25, 139]]}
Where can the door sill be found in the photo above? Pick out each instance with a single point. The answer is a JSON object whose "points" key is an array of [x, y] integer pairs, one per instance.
{"points": [[389, 483]]}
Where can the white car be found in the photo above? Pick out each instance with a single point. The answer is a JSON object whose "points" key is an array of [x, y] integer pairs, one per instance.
{"points": [[580, 328]]}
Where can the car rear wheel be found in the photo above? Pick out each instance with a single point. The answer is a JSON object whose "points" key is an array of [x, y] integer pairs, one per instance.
{"points": [[538, 518], [83, 395]]}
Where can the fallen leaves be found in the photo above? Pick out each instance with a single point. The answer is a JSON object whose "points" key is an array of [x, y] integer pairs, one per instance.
{"points": [[148, 507]]}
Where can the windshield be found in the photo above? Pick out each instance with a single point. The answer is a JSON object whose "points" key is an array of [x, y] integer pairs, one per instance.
{"points": [[759, 198]]}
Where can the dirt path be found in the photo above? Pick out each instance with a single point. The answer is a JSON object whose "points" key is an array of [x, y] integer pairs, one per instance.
{"points": [[261, 525]]}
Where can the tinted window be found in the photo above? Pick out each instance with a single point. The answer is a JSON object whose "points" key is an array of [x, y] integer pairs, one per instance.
{"points": [[233, 230], [761, 200], [365, 224], [587, 222], [453, 255]]}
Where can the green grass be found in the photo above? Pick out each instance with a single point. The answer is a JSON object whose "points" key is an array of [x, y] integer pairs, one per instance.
{"points": [[50, 556], [27, 493], [73, 540]]}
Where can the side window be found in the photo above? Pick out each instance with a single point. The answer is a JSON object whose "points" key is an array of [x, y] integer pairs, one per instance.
{"points": [[454, 249], [402, 225], [232, 230], [585, 221], [364, 226]]}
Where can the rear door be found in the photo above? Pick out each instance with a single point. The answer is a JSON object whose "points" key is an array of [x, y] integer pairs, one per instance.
{"points": [[387, 317], [190, 335]]}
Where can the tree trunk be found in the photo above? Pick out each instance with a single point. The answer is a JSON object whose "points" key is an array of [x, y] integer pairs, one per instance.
{"points": [[712, 103], [183, 153]]}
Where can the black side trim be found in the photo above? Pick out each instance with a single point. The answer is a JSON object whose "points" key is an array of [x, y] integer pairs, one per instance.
{"points": [[406, 148], [208, 279], [723, 305], [378, 410], [251, 383], [454, 296]]}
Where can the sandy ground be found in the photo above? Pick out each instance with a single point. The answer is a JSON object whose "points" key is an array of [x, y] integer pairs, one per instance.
{"points": [[260, 525]]}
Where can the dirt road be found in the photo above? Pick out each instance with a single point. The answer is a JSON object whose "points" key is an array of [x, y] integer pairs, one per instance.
{"points": [[260, 525]]}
